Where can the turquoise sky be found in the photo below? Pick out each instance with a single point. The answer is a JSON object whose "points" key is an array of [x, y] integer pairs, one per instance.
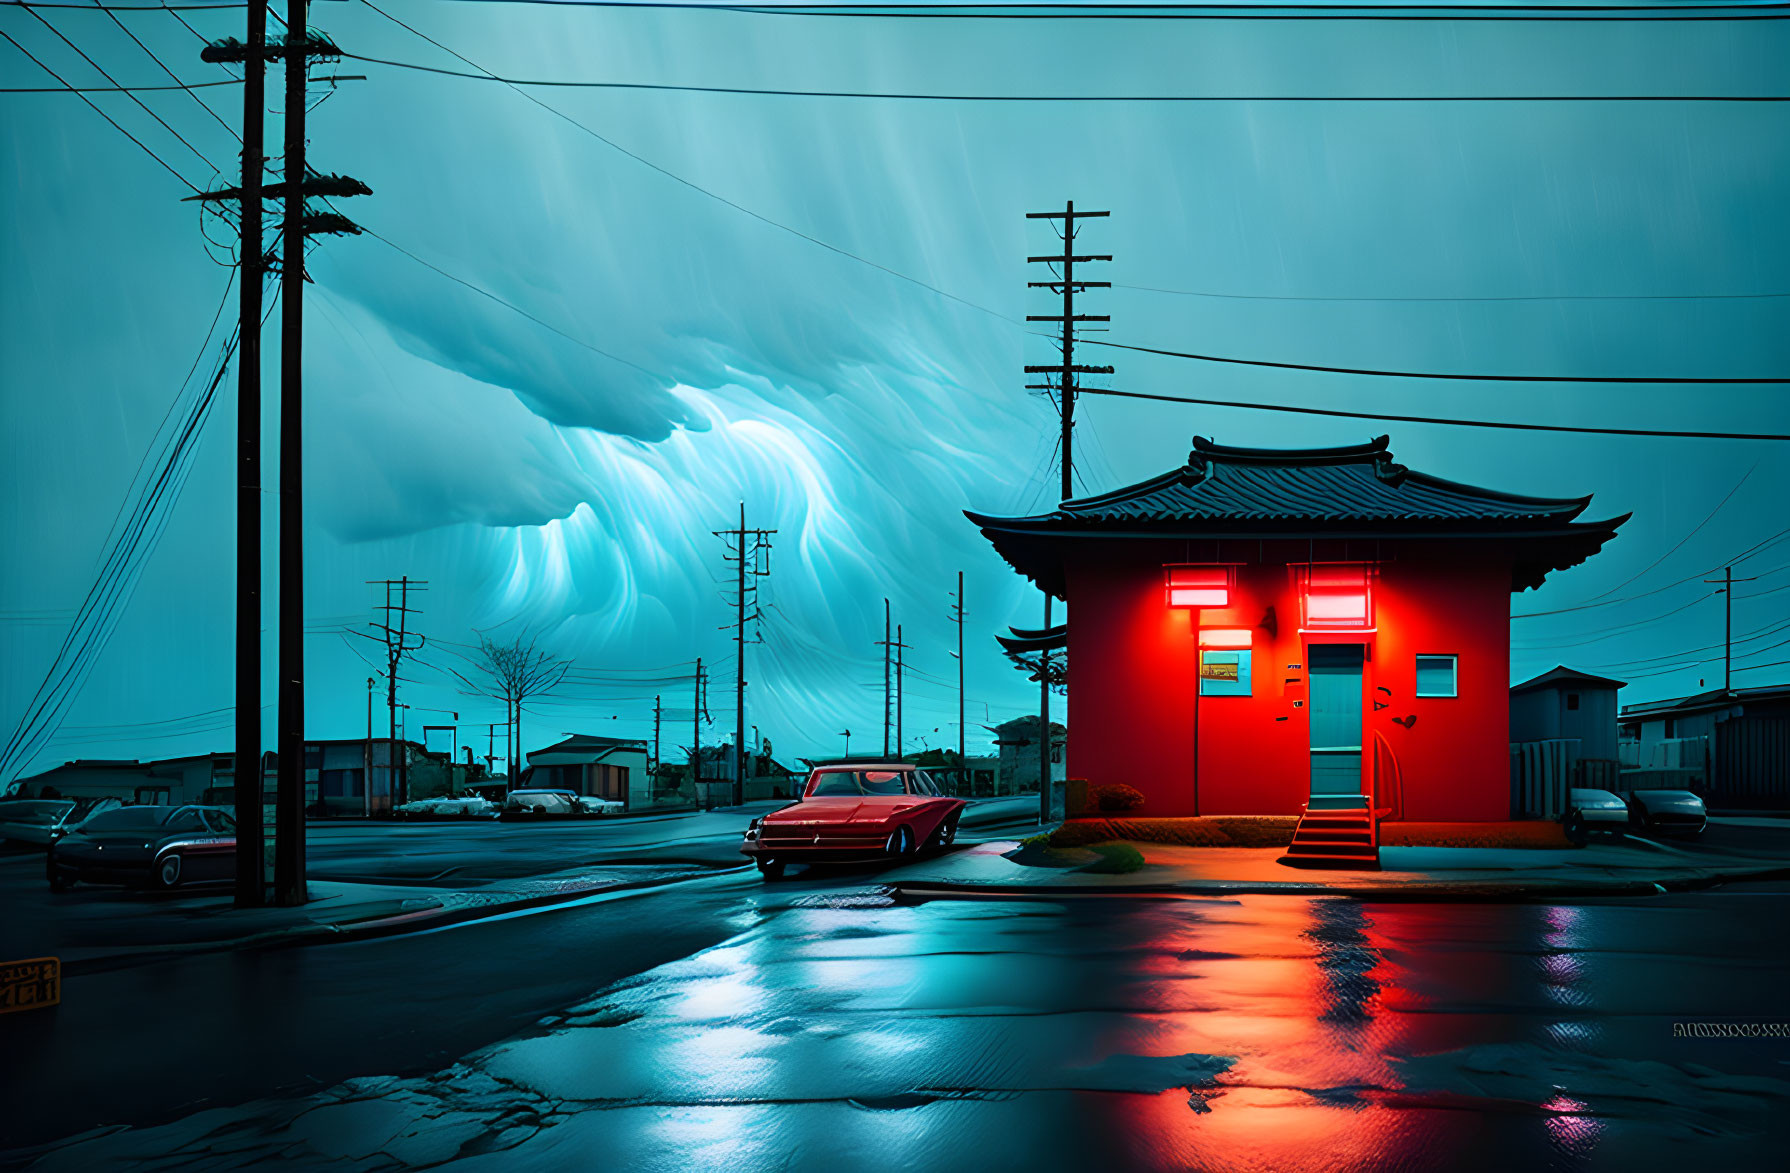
{"points": [[536, 483]]}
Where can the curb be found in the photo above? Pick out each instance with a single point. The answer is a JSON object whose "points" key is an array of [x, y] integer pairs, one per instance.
{"points": [[382, 924], [1430, 890]]}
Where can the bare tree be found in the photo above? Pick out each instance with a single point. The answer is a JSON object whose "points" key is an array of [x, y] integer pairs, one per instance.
{"points": [[514, 673]]}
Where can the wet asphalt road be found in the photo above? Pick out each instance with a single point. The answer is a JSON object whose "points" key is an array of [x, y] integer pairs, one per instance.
{"points": [[817, 1024]]}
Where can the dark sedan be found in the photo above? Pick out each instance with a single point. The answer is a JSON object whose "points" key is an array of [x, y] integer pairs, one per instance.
{"points": [[1666, 812], [153, 846]]}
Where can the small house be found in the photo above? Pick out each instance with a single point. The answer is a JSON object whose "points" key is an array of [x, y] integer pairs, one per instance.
{"points": [[1263, 630]]}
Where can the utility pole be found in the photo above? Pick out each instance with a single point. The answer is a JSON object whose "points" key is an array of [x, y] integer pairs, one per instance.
{"points": [[743, 546], [887, 647], [251, 866], [957, 614], [1726, 590], [656, 714], [1065, 389], [397, 644], [899, 648], [366, 758], [295, 49], [700, 794]]}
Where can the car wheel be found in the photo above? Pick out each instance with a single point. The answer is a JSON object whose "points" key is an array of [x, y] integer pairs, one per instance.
{"points": [[770, 868], [167, 871], [901, 841], [1577, 833], [943, 837]]}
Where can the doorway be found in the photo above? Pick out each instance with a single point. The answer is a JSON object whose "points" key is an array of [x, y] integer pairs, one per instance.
{"points": [[1335, 673]]}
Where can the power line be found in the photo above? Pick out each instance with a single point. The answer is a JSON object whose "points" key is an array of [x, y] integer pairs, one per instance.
{"points": [[509, 305], [1515, 297], [1679, 544], [694, 186], [922, 96], [1424, 419], [1291, 366], [1514, 13], [188, 85], [1752, 551], [167, 166], [172, 76], [97, 7], [45, 21]]}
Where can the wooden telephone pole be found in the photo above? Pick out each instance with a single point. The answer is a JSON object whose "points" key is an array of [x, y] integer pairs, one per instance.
{"points": [[750, 552], [296, 49], [1064, 387]]}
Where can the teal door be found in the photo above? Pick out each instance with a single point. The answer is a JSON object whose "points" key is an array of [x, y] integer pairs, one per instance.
{"points": [[1335, 673]]}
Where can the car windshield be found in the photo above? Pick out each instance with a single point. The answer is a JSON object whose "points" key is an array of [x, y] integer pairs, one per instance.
{"points": [[838, 782], [222, 820], [34, 810], [127, 818]]}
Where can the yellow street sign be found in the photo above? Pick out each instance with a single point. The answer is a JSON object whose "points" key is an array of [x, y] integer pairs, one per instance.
{"points": [[30, 984]]}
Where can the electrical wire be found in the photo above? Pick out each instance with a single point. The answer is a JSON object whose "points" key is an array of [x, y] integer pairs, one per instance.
{"points": [[698, 188], [167, 166], [188, 85], [1517, 297], [1293, 366], [1679, 544], [45, 21], [514, 308], [172, 76], [1425, 419], [1753, 551], [1513, 13], [921, 96]]}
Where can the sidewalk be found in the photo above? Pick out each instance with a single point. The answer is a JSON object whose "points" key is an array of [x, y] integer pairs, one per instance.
{"points": [[1603, 868]]}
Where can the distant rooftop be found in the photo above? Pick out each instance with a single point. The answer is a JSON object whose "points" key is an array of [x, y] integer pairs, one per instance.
{"points": [[1568, 676]]}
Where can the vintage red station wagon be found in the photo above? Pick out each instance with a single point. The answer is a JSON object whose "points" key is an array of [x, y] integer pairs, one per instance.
{"points": [[856, 810]]}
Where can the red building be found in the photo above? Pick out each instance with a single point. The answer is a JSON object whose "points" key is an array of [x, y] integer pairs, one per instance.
{"points": [[1262, 629]]}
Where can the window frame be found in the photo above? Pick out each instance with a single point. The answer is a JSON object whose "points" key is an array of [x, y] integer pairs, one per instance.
{"points": [[1454, 675]]}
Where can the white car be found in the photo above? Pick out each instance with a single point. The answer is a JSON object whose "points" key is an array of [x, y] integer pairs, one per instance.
{"points": [[1593, 810], [591, 805], [471, 807], [42, 821]]}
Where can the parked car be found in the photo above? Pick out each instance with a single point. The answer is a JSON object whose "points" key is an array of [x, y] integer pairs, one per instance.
{"points": [[598, 807], [153, 846], [1666, 812], [465, 807], [1589, 811], [44, 820], [523, 805], [860, 811]]}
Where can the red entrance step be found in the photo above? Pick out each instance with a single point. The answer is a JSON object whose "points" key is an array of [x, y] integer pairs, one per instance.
{"points": [[1338, 837]]}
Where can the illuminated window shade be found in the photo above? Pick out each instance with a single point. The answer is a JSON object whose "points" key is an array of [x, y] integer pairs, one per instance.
{"points": [[1224, 672], [1224, 637], [1199, 586], [1338, 598]]}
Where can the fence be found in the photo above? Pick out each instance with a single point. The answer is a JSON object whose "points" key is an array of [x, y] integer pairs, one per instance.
{"points": [[1751, 770], [1541, 772]]}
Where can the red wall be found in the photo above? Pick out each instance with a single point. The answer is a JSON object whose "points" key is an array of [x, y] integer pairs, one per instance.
{"points": [[1133, 673]]}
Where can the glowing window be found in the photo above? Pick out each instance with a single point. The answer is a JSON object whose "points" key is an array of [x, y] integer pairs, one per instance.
{"points": [[1438, 675], [1199, 586], [1224, 671], [1224, 637], [1338, 598]]}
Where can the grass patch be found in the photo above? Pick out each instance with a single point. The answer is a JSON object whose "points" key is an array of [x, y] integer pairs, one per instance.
{"points": [[1116, 859]]}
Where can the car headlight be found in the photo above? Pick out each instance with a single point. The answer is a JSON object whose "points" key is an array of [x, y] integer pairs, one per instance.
{"points": [[752, 828]]}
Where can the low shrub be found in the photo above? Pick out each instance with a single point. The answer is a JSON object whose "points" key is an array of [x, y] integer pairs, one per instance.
{"points": [[1116, 859], [1115, 799]]}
